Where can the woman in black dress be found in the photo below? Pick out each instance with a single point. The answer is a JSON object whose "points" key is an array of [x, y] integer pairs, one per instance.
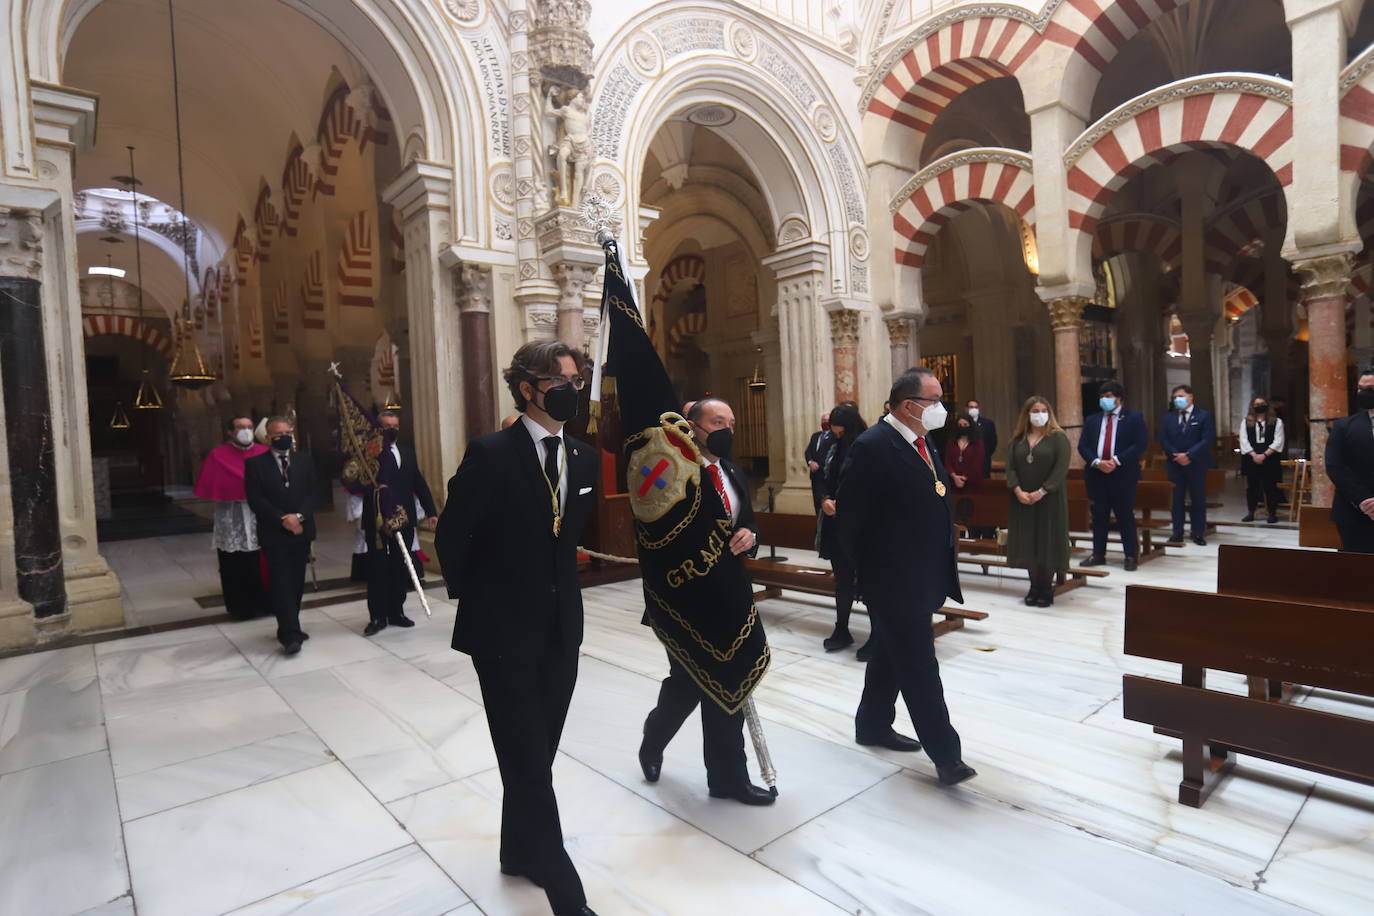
{"points": [[845, 427]]}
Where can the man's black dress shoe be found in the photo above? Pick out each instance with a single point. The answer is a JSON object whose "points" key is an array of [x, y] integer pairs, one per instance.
{"points": [[374, 627], [1273, 519], [400, 620], [1176, 537], [1045, 598], [953, 775], [865, 652], [1249, 517], [519, 871], [1200, 541], [837, 640], [747, 794], [1095, 560], [291, 646], [582, 910], [304, 637], [651, 764], [1131, 564], [892, 741]]}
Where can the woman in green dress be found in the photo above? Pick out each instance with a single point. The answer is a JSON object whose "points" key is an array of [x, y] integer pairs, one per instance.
{"points": [[1038, 521]]}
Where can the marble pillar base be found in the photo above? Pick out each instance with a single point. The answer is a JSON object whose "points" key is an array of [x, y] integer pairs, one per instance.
{"points": [[793, 499], [93, 598], [16, 625]]}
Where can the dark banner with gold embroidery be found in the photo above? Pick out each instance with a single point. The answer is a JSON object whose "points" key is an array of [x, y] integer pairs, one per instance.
{"points": [[699, 597]]}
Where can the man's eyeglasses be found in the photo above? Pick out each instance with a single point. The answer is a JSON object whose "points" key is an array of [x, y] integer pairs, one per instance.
{"points": [[577, 381]]}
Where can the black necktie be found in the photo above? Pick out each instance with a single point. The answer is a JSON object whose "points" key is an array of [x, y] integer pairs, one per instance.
{"points": [[551, 444], [285, 471], [1182, 418]]}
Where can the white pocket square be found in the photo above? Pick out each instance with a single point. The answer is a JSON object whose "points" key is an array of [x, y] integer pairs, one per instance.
{"points": [[584, 491]]}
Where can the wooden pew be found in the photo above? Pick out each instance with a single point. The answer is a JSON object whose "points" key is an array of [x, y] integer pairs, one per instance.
{"points": [[1151, 496], [813, 580], [778, 529], [1257, 638], [992, 510], [1300, 576], [1315, 529]]}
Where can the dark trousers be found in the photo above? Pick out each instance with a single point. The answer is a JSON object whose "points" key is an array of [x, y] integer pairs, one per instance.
{"points": [[1262, 487], [722, 734], [846, 587], [1356, 536], [387, 578], [1190, 483], [1112, 494], [286, 569], [526, 699], [240, 580], [904, 662]]}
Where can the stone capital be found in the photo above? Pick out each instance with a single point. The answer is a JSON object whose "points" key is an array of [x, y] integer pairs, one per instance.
{"points": [[474, 287], [421, 186], [801, 258], [64, 116], [1067, 312], [572, 277], [844, 327], [1324, 277], [21, 243], [899, 330]]}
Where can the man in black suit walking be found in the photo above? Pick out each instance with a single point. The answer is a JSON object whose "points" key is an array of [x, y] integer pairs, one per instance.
{"points": [[897, 527], [398, 471], [280, 486], [815, 454], [1350, 465], [722, 733], [1111, 446], [507, 541]]}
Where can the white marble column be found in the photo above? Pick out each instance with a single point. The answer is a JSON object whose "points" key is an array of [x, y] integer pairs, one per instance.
{"points": [[900, 336], [807, 361], [422, 194]]}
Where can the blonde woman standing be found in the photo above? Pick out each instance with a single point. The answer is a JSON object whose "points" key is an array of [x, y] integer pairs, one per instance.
{"points": [[1038, 522]]}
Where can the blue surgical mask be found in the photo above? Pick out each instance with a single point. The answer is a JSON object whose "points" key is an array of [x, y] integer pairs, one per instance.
{"points": [[1181, 403], [1107, 404]]}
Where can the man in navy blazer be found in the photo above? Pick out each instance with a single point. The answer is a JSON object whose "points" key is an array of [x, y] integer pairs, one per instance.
{"points": [[1187, 434], [896, 526], [1111, 446]]}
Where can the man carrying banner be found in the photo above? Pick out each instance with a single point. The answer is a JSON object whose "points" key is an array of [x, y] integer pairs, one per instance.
{"points": [[398, 475], [690, 531]]}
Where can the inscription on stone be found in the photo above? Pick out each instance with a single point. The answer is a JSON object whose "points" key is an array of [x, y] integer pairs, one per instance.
{"points": [[849, 187], [494, 93], [772, 60], [613, 102], [691, 34]]}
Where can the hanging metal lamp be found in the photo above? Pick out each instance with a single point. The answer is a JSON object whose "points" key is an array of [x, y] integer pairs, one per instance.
{"points": [[120, 419], [189, 369], [148, 397], [393, 401]]}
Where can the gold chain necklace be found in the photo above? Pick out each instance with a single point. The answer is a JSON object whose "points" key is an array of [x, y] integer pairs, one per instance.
{"points": [[939, 484], [553, 486]]}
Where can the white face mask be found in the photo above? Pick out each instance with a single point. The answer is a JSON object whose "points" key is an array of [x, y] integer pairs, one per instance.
{"points": [[243, 436], [1039, 418], [973, 412], [934, 416]]}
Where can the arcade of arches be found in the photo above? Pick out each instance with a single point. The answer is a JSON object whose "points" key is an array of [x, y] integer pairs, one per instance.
{"points": [[1029, 199]]}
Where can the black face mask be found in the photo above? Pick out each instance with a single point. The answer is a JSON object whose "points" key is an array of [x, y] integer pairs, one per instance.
{"points": [[282, 443], [560, 402], [389, 435], [721, 442], [1365, 398], [1261, 409]]}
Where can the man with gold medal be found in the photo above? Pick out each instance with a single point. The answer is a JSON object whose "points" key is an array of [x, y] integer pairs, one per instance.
{"points": [[897, 527], [507, 542]]}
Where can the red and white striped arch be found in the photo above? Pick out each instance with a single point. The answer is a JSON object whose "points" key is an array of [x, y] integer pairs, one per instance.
{"points": [[357, 263], [243, 252], [1172, 120], [124, 326], [266, 220], [1242, 230], [295, 185], [255, 335], [946, 61], [312, 294], [953, 184], [281, 315], [1097, 30], [687, 269], [1140, 233], [339, 124]]}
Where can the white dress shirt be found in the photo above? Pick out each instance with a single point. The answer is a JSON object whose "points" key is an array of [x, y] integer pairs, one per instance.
{"points": [[1246, 446], [907, 432], [730, 490], [539, 434], [1102, 435]]}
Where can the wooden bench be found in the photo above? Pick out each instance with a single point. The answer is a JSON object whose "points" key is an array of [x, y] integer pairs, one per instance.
{"points": [[813, 580], [992, 510], [1257, 638], [1216, 486], [1150, 496], [1315, 529], [1300, 576]]}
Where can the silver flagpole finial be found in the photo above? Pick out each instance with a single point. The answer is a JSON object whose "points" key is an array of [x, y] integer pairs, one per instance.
{"points": [[600, 217]]}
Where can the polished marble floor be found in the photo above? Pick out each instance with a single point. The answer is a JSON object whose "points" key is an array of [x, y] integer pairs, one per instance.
{"points": [[198, 771]]}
